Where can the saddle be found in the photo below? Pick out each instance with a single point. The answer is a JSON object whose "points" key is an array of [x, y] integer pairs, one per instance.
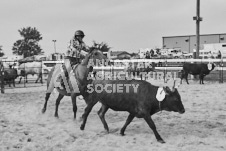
{"points": [[66, 75]]}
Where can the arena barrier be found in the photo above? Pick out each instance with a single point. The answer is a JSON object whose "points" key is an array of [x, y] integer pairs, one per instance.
{"points": [[164, 65], [167, 65], [41, 68]]}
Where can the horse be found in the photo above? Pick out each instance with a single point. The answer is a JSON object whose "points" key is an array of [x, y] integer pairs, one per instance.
{"points": [[78, 77], [31, 68]]}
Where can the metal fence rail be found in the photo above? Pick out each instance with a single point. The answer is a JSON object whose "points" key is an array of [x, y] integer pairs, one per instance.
{"points": [[164, 65], [169, 65], [43, 69]]}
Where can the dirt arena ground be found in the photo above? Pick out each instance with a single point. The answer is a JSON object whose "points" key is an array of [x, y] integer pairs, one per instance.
{"points": [[201, 128]]}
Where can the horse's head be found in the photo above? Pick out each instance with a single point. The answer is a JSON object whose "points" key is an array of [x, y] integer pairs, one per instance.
{"points": [[96, 56]]}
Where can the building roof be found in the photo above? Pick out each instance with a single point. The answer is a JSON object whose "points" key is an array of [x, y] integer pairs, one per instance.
{"points": [[123, 53], [193, 35]]}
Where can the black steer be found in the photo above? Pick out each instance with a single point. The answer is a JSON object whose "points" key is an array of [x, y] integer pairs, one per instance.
{"points": [[10, 75], [196, 69], [134, 96]]}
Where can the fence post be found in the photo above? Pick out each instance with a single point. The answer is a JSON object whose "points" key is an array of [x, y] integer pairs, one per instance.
{"points": [[113, 65], [2, 78], [165, 71], [42, 71], [221, 71]]}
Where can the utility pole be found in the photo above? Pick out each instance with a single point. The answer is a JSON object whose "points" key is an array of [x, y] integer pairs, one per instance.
{"points": [[2, 77], [54, 41], [197, 18]]}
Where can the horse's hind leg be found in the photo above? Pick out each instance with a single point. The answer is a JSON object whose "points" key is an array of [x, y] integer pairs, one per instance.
{"points": [[60, 96], [46, 101], [50, 88]]}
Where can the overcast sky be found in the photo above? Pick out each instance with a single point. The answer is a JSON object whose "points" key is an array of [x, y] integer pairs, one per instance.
{"points": [[123, 24]]}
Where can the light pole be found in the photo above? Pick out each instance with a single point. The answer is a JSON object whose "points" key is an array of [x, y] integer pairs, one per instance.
{"points": [[54, 41], [197, 18]]}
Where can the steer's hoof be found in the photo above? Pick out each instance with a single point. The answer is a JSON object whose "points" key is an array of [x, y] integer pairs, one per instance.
{"points": [[161, 141], [82, 128], [43, 110]]}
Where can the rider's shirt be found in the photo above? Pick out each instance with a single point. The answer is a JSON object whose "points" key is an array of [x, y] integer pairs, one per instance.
{"points": [[75, 47]]}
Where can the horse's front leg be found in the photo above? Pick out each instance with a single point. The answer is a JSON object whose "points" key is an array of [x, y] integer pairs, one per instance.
{"points": [[73, 99]]}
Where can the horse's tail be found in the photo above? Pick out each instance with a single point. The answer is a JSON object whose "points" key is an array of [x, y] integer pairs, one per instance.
{"points": [[50, 76]]}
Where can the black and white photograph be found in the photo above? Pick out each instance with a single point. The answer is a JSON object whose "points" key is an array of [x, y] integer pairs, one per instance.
{"points": [[112, 75]]}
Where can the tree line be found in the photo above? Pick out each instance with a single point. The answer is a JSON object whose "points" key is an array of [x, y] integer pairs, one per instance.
{"points": [[28, 45]]}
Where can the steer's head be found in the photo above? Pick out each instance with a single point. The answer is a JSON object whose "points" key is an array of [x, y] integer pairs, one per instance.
{"points": [[173, 100], [213, 65]]}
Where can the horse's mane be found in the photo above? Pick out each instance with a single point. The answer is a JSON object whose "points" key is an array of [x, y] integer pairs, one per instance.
{"points": [[91, 49]]}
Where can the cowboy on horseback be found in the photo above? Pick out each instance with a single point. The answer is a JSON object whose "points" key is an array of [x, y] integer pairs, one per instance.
{"points": [[76, 51]]}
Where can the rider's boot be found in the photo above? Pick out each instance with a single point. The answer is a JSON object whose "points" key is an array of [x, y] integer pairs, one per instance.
{"points": [[66, 69]]}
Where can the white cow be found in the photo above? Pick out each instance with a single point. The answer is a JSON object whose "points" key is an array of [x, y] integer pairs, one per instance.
{"points": [[32, 68]]}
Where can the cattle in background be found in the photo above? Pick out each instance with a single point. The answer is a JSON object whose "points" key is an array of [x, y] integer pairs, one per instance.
{"points": [[196, 69], [31, 68], [140, 98], [9, 73]]}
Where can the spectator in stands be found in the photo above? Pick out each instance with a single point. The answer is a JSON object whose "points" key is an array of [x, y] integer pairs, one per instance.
{"points": [[210, 55], [219, 54], [148, 55], [152, 53]]}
